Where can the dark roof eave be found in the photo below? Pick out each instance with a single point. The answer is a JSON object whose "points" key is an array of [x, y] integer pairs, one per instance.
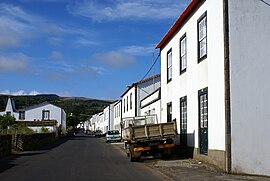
{"points": [[178, 22]]}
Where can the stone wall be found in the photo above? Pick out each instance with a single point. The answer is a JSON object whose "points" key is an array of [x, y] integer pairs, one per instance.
{"points": [[5, 145], [33, 141]]}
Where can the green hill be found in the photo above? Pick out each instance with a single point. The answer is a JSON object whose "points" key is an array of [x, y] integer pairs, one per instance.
{"points": [[80, 106]]}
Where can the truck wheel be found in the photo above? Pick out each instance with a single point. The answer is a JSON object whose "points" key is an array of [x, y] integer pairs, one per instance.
{"points": [[135, 156], [166, 153]]}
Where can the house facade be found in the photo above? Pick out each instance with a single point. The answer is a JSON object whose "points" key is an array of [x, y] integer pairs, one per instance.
{"points": [[99, 124], [41, 112], [214, 65], [135, 93], [117, 115], [108, 118]]}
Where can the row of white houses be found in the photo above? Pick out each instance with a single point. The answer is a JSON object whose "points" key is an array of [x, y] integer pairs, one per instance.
{"points": [[139, 99], [214, 81]]}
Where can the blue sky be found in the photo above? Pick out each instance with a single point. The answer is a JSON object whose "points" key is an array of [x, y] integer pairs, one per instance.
{"points": [[91, 48]]}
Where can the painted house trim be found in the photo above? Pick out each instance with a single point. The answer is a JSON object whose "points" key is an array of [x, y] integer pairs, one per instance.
{"points": [[156, 97], [179, 22]]}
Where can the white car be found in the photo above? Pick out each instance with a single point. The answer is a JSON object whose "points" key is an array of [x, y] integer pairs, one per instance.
{"points": [[113, 135]]}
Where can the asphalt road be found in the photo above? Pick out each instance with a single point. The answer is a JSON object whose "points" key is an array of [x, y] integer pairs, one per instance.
{"points": [[79, 158]]}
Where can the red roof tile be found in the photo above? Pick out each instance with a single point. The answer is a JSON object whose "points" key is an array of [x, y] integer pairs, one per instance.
{"points": [[179, 22]]}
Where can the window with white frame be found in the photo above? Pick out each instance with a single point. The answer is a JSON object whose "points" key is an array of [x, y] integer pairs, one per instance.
{"points": [[203, 106], [183, 113], [169, 65], [45, 114], [202, 36], [183, 54]]}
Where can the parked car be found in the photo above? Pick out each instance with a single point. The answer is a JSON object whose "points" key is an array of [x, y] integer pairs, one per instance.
{"points": [[98, 133], [113, 135]]}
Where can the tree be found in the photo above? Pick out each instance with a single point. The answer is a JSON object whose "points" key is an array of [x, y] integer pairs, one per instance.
{"points": [[72, 121], [6, 121]]}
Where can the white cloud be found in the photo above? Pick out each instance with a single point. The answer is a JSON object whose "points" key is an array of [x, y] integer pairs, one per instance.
{"points": [[16, 93], [85, 42], [15, 25], [138, 50], [14, 63], [120, 9], [33, 93], [56, 55], [55, 41], [114, 59]]}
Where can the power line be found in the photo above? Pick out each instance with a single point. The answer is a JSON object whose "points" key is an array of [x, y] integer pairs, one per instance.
{"points": [[151, 67], [265, 2]]}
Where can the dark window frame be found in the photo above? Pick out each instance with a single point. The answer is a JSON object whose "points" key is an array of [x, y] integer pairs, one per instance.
{"points": [[21, 115], [204, 15], [182, 70], [127, 103], [130, 101], [124, 106], [169, 79], [183, 100], [169, 105], [201, 93], [44, 113]]}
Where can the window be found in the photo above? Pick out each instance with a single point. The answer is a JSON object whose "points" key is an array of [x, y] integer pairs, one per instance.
{"points": [[203, 121], [203, 110], [45, 115], [21, 115], [124, 105], [118, 110], [202, 37], [183, 113], [169, 65], [127, 103], [8, 113], [130, 100], [169, 112], [183, 54], [183, 122]]}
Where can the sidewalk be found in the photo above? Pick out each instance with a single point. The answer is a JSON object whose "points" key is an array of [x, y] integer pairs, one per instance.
{"points": [[191, 169]]}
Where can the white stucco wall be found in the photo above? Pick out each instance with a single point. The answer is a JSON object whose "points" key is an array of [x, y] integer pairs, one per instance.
{"points": [[145, 89], [208, 73], [150, 105], [9, 108], [153, 108], [108, 117], [129, 112], [36, 113], [249, 63], [100, 122], [117, 115]]}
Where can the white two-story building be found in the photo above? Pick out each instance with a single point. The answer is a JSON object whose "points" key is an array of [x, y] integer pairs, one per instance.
{"points": [[38, 114], [214, 80], [117, 115], [137, 100]]}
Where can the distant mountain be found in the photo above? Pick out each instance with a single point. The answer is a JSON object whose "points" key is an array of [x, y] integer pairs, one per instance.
{"points": [[76, 105]]}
